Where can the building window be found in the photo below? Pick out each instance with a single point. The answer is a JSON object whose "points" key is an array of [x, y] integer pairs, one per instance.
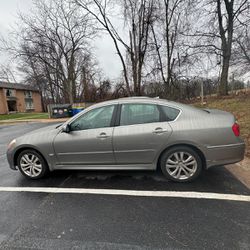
{"points": [[10, 93], [28, 94], [29, 104]]}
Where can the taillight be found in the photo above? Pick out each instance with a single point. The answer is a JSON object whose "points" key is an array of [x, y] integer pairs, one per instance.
{"points": [[236, 129]]}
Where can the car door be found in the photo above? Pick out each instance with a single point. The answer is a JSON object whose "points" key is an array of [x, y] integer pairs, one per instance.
{"points": [[89, 141], [141, 133]]}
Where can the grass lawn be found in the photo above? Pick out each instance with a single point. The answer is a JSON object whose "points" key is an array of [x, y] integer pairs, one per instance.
{"points": [[24, 116], [240, 107]]}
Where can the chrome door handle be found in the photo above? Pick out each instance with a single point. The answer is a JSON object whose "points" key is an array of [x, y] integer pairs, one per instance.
{"points": [[160, 131], [102, 136]]}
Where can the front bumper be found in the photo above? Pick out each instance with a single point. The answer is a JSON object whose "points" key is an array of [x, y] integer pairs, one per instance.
{"points": [[10, 157], [225, 154]]}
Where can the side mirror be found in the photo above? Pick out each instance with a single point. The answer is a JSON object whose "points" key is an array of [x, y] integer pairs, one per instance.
{"points": [[66, 128]]}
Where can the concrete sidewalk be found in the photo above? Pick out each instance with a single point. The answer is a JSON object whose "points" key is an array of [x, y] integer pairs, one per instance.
{"points": [[241, 171]]}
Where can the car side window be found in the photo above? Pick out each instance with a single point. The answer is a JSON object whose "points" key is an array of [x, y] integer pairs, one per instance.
{"points": [[170, 113], [139, 114], [96, 118]]}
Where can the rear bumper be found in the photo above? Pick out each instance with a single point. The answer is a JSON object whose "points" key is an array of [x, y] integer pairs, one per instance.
{"points": [[225, 154]]}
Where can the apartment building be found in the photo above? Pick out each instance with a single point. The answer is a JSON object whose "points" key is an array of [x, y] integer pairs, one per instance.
{"points": [[19, 98]]}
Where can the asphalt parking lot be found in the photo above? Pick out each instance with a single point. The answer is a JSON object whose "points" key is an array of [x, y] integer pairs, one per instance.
{"points": [[49, 220]]}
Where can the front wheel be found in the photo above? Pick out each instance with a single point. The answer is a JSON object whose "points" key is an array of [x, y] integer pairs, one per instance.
{"points": [[31, 164], [181, 164]]}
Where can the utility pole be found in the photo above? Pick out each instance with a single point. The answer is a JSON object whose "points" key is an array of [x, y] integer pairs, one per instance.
{"points": [[233, 86], [202, 93]]}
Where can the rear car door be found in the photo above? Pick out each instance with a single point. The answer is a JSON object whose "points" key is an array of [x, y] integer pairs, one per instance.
{"points": [[89, 141], [141, 133]]}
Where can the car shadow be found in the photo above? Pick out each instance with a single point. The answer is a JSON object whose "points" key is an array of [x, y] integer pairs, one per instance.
{"points": [[217, 180]]}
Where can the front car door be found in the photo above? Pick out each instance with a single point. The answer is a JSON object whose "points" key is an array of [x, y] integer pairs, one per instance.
{"points": [[141, 134], [89, 141]]}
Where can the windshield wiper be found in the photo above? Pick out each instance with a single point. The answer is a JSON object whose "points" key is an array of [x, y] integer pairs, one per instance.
{"points": [[59, 125]]}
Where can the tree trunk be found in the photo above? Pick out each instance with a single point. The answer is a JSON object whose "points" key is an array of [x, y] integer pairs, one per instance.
{"points": [[70, 93], [226, 36], [223, 85], [85, 85]]}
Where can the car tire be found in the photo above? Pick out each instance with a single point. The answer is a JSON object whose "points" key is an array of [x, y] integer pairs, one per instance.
{"points": [[181, 164], [32, 164]]}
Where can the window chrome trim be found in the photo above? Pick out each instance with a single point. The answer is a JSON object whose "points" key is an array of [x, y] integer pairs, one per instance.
{"points": [[146, 101]]}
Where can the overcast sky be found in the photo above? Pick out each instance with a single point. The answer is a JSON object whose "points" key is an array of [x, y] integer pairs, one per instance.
{"points": [[104, 51]]}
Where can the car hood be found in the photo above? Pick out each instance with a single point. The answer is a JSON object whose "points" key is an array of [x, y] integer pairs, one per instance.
{"points": [[39, 135], [44, 129]]}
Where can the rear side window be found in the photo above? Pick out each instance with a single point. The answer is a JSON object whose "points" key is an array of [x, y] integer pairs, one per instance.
{"points": [[170, 114], [139, 114]]}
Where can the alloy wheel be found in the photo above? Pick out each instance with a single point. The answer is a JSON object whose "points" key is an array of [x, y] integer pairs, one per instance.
{"points": [[181, 165], [31, 165]]}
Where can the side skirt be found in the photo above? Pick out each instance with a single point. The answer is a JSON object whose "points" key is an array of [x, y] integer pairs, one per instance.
{"points": [[107, 167]]}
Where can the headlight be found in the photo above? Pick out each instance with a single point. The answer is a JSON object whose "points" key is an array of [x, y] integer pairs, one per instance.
{"points": [[12, 144]]}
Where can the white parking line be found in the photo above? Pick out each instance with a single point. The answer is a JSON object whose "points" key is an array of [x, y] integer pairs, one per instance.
{"points": [[172, 194]]}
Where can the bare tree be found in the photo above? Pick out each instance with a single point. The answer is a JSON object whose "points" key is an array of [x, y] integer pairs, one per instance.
{"points": [[7, 73], [138, 16], [218, 20], [90, 74], [241, 52], [168, 24], [52, 45], [119, 90]]}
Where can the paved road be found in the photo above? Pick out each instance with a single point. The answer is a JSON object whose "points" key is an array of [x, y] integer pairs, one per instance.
{"points": [[85, 221]]}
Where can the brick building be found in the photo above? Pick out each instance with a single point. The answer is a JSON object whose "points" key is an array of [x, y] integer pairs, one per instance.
{"points": [[19, 98]]}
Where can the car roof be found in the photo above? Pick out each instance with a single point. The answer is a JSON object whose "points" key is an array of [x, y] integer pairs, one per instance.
{"points": [[145, 99]]}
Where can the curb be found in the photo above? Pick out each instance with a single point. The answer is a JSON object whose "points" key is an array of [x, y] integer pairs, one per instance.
{"points": [[241, 171], [13, 122]]}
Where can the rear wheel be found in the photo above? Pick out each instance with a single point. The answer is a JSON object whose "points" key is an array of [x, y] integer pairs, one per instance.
{"points": [[31, 164], [181, 164]]}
